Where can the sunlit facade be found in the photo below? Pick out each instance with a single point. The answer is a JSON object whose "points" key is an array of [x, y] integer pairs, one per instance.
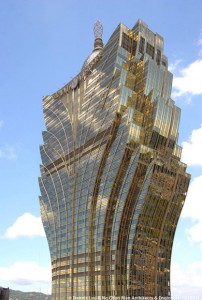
{"points": [[112, 183]]}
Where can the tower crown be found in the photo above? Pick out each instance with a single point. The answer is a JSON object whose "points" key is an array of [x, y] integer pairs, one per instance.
{"points": [[98, 43], [98, 30]]}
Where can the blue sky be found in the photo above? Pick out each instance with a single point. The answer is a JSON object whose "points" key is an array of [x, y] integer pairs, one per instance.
{"points": [[43, 44]]}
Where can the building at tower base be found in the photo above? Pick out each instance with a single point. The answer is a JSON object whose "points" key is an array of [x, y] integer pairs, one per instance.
{"points": [[4, 293], [112, 183]]}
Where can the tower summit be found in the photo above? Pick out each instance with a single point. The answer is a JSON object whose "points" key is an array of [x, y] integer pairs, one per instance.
{"points": [[98, 44], [112, 182], [98, 30]]}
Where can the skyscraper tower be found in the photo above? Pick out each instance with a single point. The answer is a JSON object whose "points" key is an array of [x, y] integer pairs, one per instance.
{"points": [[112, 183]]}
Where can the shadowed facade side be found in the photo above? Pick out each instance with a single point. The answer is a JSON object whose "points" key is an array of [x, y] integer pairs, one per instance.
{"points": [[112, 183]]}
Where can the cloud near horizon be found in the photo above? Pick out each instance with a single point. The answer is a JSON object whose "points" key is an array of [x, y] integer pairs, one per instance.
{"points": [[187, 281], [26, 273], [26, 225]]}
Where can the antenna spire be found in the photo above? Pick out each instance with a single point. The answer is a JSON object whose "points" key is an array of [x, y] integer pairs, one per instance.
{"points": [[98, 30]]}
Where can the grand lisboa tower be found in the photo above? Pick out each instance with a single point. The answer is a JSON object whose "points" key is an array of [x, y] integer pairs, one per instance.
{"points": [[112, 183]]}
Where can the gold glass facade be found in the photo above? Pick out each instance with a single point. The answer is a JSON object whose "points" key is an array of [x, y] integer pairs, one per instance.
{"points": [[112, 183]]}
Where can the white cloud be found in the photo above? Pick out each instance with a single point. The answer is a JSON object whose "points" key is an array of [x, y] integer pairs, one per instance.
{"points": [[192, 209], [193, 204], [26, 225], [172, 68], [191, 149], [191, 154], [7, 152], [187, 282], [189, 81], [200, 44], [26, 273], [195, 232]]}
